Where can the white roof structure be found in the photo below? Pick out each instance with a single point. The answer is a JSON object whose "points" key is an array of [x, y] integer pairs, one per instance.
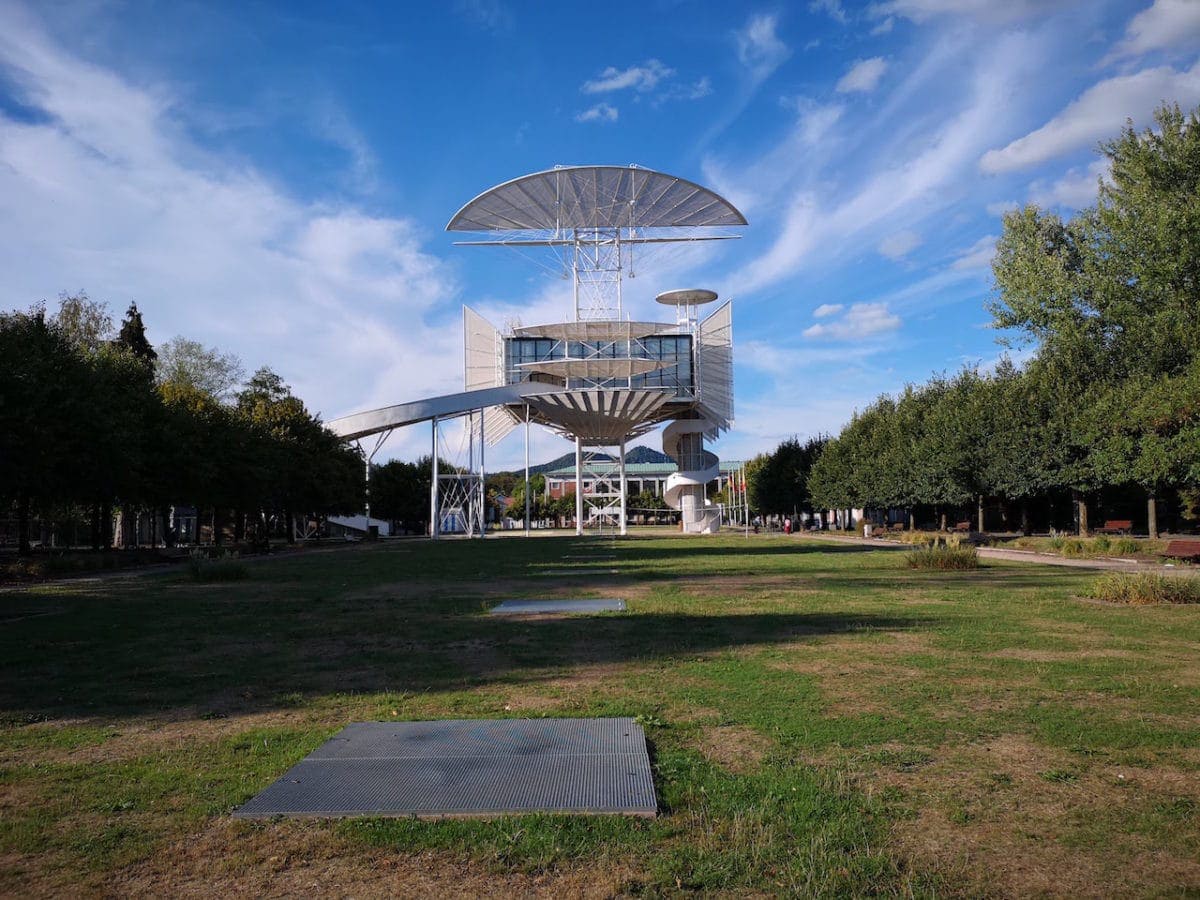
{"points": [[561, 200]]}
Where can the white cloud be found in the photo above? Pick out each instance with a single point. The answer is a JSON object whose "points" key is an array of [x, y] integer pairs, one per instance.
{"points": [[601, 112], [1001, 207], [104, 190], [860, 321], [978, 255], [884, 27], [759, 48], [899, 244], [827, 309], [1076, 189], [1165, 25], [863, 76], [988, 11], [641, 78], [697, 90], [1097, 114], [831, 8]]}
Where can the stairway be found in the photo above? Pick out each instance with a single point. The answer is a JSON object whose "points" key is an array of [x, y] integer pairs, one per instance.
{"points": [[683, 441]]}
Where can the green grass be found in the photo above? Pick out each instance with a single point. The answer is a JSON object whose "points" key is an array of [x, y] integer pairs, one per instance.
{"points": [[812, 708]]}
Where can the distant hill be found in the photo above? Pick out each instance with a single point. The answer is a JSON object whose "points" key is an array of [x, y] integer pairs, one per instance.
{"points": [[635, 455]]}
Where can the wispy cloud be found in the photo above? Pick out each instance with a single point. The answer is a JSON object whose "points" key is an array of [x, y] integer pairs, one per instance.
{"points": [[759, 48], [601, 112], [827, 309], [899, 244], [987, 11], [978, 256], [831, 8], [1165, 25], [1075, 189], [861, 320], [640, 78], [1099, 112], [491, 15], [863, 76]]}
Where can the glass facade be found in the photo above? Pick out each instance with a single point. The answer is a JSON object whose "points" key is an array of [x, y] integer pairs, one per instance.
{"points": [[674, 349]]}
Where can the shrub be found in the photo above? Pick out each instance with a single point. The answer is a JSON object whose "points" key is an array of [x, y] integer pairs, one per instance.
{"points": [[1101, 544], [943, 557], [1125, 547], [224, 568], [1144, 588]]}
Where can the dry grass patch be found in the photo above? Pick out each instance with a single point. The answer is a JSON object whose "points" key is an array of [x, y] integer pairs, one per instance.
{"points": [[734, 747], [299, 859]]}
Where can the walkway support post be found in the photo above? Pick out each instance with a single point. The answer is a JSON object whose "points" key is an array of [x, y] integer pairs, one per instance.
{"points": [[433, 487], [482, 481], [578, 486], [622, 529], [527, 504]]}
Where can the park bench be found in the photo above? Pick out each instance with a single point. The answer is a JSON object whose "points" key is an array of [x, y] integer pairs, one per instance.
{"points": [[962, 526], [1116, 526], [1183, 550]]}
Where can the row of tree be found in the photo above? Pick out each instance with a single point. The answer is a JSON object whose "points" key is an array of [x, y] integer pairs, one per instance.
{"points": [[94, 421], [1109, 301]]}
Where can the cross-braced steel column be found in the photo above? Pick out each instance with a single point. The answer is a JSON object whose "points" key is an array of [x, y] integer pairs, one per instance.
{"points": [[578, 486], [624, 490], [433, 486]]}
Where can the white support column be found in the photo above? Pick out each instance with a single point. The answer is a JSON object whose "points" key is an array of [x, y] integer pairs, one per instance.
{"points": [[433, 488], [527, 498], [578, 486], [483, 480], [624, 487]]}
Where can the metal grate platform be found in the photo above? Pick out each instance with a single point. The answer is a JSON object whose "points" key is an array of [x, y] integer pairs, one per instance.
{"points": [[534, 607], [468, 768]]}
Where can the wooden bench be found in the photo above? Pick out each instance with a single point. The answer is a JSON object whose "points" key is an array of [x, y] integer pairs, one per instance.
{"points": [[1183, 550], [962, 526], [1116, 526]]}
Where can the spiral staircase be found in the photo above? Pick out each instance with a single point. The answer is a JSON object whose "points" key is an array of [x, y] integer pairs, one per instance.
{"points": [[683, 441]]}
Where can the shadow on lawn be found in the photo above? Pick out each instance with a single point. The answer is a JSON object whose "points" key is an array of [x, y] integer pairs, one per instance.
{"points": [[109, 657]]}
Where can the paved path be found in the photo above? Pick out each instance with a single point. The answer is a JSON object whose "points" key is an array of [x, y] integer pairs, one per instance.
{"points": [[1025, 556]]}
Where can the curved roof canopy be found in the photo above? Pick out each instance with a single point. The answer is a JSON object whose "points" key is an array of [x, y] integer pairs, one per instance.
{"points": [[588, 197]]}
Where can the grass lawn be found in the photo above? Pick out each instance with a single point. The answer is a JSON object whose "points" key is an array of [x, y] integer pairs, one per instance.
{"points": [[824, 721]]}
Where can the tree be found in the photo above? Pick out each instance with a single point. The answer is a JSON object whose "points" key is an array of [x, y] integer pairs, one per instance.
{"points": [[43, 403], [132, 336], [84, 322], [190, 364]]}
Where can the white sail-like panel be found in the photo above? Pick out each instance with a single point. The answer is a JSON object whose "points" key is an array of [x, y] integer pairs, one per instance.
{"points": [[715, 357], [483, 367]]}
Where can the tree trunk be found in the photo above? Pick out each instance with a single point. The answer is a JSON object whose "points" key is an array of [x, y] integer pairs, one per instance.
{"points": [[95, 526], [912, 520], [23, 547], [239, 527], [168, 534], [979, 512], [1082, 511], [1026, 528], [1152, 515], [943, 520], [291, 525], [216, 527], [106, 534]]}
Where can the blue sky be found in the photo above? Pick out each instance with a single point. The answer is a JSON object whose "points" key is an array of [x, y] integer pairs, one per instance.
{"points": [[273, 179]]}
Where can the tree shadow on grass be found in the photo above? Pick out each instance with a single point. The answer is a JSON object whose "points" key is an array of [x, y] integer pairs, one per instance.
{"points": [[122, 656]]}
